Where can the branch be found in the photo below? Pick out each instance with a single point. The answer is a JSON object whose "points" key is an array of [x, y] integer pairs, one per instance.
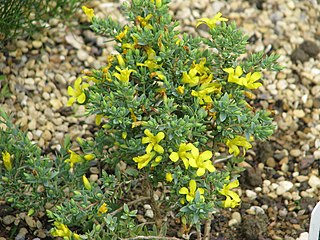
{"points": [[207, 227]]}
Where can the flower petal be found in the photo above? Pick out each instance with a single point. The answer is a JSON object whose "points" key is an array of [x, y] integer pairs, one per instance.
{"points": [[160, 136], [174, 156], [192, 186], [201, 171], [233, 184], [205, 155], [184, 190], [158, 148], [81, 98], [238, 71]]}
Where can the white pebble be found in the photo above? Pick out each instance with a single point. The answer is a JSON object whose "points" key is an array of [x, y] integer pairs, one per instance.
{"points": [[251, 194], [232, 222], [303, 236], [236, 216], [149, 213], [314, 182]]}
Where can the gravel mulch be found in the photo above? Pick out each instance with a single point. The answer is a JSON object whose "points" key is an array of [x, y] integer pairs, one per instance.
{"points": [[281, 184]]}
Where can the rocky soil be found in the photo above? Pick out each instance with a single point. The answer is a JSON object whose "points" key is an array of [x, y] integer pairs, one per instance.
{"points": [[281, 184]]}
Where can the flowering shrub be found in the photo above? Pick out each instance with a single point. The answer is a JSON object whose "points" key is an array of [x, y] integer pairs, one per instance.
{"points": [[168, 108]]}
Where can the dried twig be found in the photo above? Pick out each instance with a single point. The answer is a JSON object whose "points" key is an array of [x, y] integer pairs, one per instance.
{"points": [[207, 227]]}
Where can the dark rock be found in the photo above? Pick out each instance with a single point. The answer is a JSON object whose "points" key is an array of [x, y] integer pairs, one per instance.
{"points": [[299, 55], [305, 162], [251, 177], [310, 48], [254, 227]]}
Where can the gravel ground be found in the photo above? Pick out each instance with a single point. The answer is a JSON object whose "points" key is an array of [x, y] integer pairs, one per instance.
{"points": [[281, 184]]}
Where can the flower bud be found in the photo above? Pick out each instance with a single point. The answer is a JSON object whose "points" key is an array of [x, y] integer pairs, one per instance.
{"points": [[30, 212], [121, 61], [158, 3], [89, 157], [169, 177], [86, 183]]}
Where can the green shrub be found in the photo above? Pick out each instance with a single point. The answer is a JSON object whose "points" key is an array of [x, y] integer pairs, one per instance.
{"points": [[169, 108], [23, 17]]}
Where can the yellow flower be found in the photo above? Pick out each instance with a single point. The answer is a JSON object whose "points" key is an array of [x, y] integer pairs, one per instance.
{"points": [[250, 80], [191, 78], [89, 156], [144, 21], [200, 66], [232, 198], [180, 90], [6, 157], [184, 153], [211, 23], [123, 75], [144, 159], [98, 119], [153, 141], [89, 12], [74, 158], [169, 177], [204, 90], [61, 230], [201, 161], [102, 209], [150, 64], [121, 61], [234, 75], [86, 183], [77, 93], [237, 142], [191, 194], [122, 34]]}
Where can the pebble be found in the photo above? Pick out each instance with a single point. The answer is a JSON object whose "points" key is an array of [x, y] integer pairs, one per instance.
{"points": [[82, 55], [7, 220], [299, 113], [302, 178], [36, 44], [255, 210], [22, 234], [56, 104], [94, 170], [232, 222], [271, 162], [303, 236], [47, 135], [251, 194], [30, 221], [149, 213], [32, 125], [284, 186], [295, 152], [314, 182], [236, 216]]}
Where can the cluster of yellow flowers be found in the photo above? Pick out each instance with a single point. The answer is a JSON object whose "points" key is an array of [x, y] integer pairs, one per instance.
{"points": [[152, 149], [250, 81], [61, 230]]}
